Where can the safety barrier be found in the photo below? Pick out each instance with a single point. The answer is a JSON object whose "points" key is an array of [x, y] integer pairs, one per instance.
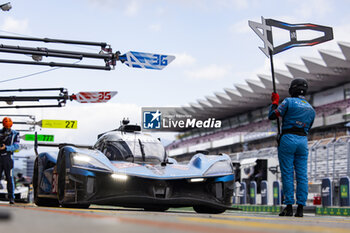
{"points": [[258, 208], [332, 193], [244, 198], [330, 211], [333, 211]]}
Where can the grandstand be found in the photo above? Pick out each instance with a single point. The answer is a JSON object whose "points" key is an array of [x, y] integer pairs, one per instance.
{"points": [[246, 132]]}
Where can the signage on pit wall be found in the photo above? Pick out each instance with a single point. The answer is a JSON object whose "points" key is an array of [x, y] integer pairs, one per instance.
{"points": [[333, 211], [59, 124], [252, 187], [326, 192], [277, 194], [344, 191], [243, 193], [264, 192], [344, 183]]}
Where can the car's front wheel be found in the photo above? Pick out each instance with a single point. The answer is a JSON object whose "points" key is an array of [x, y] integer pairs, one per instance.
{"points": [[39, 201]]}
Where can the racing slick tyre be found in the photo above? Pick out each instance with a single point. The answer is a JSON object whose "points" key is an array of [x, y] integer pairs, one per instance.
{"points": [[39, 201], [61, 170], [156, 208], [201, 209]]}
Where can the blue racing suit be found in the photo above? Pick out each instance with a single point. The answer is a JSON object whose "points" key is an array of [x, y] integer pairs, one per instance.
{"points": [[297, 119], [11, 140]]}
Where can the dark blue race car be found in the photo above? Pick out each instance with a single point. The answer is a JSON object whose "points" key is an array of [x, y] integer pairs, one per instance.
{"points": [[131, 169]]}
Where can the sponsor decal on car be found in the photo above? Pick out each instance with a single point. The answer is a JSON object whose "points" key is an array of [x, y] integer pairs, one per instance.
{"points": [[125, 165], [181, 167]]}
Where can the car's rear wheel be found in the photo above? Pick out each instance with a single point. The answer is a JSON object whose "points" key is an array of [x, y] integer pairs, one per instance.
{"points": [[39, 201], [202, 209]]}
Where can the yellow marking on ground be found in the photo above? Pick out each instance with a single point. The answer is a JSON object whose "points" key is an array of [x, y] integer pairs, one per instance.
{"points": [[285, 218], [264, 225]]}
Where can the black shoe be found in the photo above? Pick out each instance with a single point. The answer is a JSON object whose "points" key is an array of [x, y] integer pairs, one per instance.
{"points": [[287, 211], [299, 212], [12, 201]]}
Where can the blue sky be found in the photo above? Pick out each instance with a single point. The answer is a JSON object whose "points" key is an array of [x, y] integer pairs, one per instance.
{"points": [[213, 44]]}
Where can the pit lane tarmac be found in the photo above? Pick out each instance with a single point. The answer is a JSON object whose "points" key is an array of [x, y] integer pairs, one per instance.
{"points": [[28, 218]]}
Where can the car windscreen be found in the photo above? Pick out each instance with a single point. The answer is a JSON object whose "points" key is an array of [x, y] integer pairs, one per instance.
{"points": [[117, 151], [135, 150]]}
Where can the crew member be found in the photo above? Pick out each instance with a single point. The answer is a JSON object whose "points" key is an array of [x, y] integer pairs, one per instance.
{"points": [[9, 142], [297, 118], [20, 180]]}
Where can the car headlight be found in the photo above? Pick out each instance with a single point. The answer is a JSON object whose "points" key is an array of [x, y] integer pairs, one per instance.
{"points": [[195, 180], [120, 177], [220, 167], [87, 162]]}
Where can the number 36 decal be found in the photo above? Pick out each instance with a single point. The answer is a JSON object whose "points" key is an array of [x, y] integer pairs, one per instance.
{"points": [[160, 60]]}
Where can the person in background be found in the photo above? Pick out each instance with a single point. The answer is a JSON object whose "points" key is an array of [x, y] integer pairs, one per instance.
{"points": [[297, 119], [20, 178], [9, 142]]}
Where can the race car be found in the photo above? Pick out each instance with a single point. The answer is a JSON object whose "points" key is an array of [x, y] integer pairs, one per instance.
{"points": [[130, 169], [23, 191]]}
